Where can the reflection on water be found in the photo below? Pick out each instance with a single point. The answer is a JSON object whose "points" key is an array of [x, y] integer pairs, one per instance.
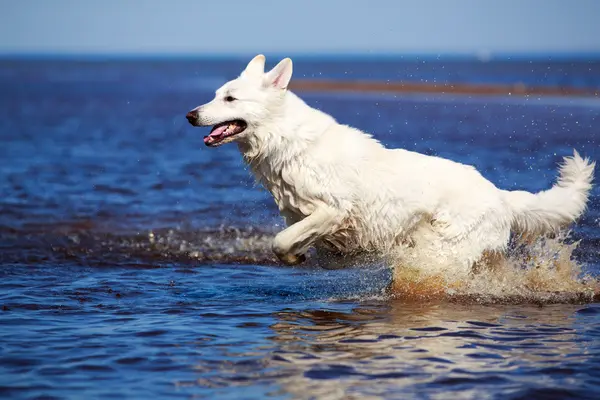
{"points": [[253, 332], [394, 349]]}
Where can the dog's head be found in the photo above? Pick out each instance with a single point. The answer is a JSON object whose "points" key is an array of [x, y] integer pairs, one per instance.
{"points": [[242, 105]]}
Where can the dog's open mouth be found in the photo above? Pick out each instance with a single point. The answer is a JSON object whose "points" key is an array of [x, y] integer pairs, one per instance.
{"points": [[224, 132]]}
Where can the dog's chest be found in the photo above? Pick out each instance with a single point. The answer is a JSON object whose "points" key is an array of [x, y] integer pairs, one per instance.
{"points": [[291, 196]]}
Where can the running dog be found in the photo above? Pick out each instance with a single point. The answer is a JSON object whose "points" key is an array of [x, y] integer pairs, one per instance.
{"points": [[343, 193]]}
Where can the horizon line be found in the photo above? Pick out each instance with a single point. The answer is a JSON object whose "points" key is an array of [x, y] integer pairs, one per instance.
{"points": [[475, 55]]}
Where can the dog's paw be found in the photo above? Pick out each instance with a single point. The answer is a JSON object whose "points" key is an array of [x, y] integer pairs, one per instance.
{"points": [[291, 259]]}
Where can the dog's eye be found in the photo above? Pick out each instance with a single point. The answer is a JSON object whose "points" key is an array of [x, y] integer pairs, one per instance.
{"points": [[230, 98]]}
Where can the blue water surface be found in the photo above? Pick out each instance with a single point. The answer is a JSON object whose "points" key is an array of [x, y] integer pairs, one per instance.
{"points": [[135, 262]]}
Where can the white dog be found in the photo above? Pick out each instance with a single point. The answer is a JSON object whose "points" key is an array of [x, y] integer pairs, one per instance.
{"points": [[343, 193]]}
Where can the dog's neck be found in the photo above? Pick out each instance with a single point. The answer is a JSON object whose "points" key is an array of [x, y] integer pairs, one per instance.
{"points": [[287, 135]]}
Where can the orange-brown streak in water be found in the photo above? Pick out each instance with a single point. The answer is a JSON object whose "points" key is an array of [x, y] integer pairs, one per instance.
{"points": [[517, 89]]}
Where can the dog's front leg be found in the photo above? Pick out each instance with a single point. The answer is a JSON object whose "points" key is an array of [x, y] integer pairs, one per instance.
{"points": [[292, 243]]}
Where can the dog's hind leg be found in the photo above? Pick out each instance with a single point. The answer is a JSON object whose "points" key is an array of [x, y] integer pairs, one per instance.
{"points": [[292, 243]]}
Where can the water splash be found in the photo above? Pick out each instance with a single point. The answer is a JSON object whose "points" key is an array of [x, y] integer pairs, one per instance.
{"points": [[542, 270]]}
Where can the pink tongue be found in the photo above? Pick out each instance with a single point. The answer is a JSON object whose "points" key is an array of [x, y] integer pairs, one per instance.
{"points": [[219, 131]]}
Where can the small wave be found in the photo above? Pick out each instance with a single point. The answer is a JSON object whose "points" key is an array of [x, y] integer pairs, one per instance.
{"points": [[542, 272], [78, 243]]}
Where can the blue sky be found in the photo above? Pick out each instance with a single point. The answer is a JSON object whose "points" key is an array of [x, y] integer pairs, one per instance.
{"points": [[303, 26]]}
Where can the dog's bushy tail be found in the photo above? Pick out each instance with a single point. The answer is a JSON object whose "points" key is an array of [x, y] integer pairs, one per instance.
{"points": [[559, 206]]}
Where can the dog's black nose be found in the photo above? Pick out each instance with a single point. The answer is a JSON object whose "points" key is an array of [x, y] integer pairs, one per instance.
{"points": [[192, 116]]}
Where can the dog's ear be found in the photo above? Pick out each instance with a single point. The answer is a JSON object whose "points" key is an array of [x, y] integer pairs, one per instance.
{"points": [[256, 66], [280, 76]]}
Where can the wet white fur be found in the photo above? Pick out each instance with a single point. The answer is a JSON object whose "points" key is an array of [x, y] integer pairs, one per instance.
{"points": [[341, 190]]}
